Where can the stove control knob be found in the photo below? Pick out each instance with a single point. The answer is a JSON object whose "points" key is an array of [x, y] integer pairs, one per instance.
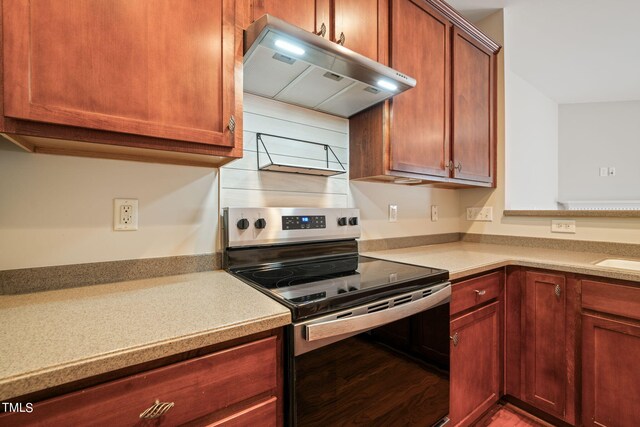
{"points": [[341, 290], [243, 224], [342, 221], [260, 223], [353, 220]]}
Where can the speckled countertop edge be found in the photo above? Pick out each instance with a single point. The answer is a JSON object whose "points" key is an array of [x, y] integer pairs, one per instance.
{"points": [[550, 259], [223, 308], [52, 376]]}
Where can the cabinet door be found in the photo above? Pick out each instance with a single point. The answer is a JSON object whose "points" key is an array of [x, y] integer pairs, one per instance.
{"points": [[357, 21], [544, 350], [473, 88], [419, 134], [160, 69], [301, 13], [475, 364], [610, 372]]}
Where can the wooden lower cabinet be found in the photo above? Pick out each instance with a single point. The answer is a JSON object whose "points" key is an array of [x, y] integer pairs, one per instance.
{"points": [[610, 372], [610, 354], [234, 387], [545, 311], [475, 364]]}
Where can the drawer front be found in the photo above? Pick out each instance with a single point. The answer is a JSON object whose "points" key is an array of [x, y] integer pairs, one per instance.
{"points": [[196, 387], [472, 292], [609, 298], [262, 414]]}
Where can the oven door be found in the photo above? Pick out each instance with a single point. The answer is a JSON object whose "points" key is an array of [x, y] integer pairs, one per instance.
{"points": [[382, 364]]}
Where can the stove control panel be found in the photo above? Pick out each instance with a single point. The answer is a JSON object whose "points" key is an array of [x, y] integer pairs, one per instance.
{"points": [[301, 222], [267, 226]]}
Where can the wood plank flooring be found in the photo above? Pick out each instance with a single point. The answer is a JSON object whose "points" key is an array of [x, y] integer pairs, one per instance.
{"points": [[508, 416]]}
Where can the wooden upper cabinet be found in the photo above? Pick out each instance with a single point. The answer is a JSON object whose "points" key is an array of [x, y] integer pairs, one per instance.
{"points": [[473, 98], [443, 130], [157, 69], [357, 22], [544, 350], [301, 13], [420, 46]]}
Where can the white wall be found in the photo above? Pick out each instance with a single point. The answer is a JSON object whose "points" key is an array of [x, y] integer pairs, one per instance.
{"points": [[594, 135], [624, 230], [531, 129], [57, 210]]}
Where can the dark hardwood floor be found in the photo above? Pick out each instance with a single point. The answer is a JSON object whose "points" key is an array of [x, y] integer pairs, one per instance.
{"points": [[508, 416]]}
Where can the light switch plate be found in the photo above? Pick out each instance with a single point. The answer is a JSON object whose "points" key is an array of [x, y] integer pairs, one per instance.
{"points": [[434, 213], [393, 213], [480, 214], [563, 226]]}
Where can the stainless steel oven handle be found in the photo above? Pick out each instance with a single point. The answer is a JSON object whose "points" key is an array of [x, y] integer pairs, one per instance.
{"points": [[364, 322]]}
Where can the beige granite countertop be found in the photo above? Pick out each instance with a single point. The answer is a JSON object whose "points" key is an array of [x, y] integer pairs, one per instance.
{"points": [[56, 337], [464, 259]]}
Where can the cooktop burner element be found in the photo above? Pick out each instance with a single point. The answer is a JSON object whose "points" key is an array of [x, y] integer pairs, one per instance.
{"points": [[312, 271]]}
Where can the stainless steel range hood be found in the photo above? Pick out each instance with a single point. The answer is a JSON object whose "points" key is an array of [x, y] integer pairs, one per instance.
{"points": [[288, 64]]}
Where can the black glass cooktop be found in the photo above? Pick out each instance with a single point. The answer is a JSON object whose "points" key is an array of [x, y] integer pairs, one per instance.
{"points": [[326, 285]]}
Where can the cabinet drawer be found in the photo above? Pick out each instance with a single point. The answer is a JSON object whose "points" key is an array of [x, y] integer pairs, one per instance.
{"points": [[197, 387], [609, 298], [262, 414], [470, 293]]}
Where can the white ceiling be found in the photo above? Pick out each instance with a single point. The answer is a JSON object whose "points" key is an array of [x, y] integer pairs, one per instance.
{"points": [[571, 50]]}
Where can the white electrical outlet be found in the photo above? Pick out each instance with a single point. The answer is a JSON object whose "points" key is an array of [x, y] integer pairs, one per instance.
{"points": [[434, 213], [393, 213], [125, 214], [480, 214], [563, 226]]}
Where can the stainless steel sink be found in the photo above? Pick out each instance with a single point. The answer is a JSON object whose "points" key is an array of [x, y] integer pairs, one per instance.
{"points": [[624, 264]]}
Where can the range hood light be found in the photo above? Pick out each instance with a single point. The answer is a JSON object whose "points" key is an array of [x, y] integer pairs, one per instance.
{"points": [[386, 84], [291, 48]]}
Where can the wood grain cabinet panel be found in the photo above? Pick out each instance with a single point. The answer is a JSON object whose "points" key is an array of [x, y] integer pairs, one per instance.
{"points": [[473, 100], [475, 364], [197, 388], [301, 13], [420, 129], [610, 372], [147, 80], [357, 21], [443, 130], [544, 342]]}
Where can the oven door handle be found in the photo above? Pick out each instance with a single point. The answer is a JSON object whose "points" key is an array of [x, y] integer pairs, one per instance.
{"points": [[364, 322]]}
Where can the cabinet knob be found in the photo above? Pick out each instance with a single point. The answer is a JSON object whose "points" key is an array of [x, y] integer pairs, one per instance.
{"points": [[156, 410], [232, 124], [455, 339], [342, 39], [480, 292], [323, 30], [558, 290]]}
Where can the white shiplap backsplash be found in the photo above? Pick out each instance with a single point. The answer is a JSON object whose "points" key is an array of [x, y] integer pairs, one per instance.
{"points": [[242, 184]]}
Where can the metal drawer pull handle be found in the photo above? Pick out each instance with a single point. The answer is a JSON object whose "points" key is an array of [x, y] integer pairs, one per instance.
{"points": [[156, 410], [558, 290], [323, 30], [455, 339], [480, 292], [459, 167], [342, 39]]}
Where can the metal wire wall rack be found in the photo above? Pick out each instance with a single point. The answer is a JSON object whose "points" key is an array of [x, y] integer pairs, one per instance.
{"points": [[284, 166]]}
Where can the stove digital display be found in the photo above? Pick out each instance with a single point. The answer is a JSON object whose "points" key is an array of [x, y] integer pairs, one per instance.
{"points": [[303, 222]]}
